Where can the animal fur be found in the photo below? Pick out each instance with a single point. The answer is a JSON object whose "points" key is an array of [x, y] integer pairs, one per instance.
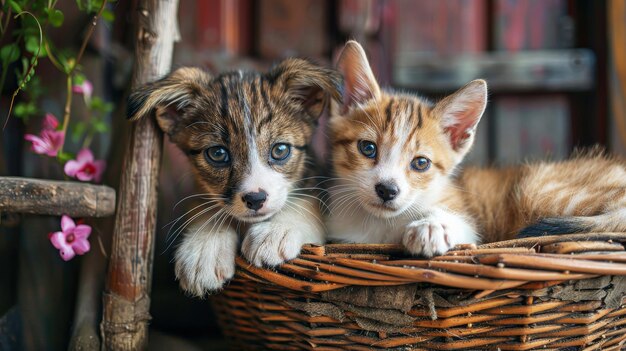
{"points": [[243, 115], [435, 209]]}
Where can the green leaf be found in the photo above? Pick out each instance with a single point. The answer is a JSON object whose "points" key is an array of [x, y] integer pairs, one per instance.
{"points": [[97, 103], [55, 17], [32, 44], [30, 25], [9, 53], [78, 78], [101, 127], [34, 89], [25, 109], [43, 52], [27, 73], [62, 58], [65, 156], [21, 74], [108, 15], [15, 6], [20, 109], [78, 130]]}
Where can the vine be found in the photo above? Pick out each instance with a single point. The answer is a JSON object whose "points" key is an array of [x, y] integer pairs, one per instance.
{"points": [[29, 71], [28, 44]]}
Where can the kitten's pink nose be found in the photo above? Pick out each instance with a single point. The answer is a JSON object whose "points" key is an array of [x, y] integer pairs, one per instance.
{"points": [[255, 200], [387, 191]]}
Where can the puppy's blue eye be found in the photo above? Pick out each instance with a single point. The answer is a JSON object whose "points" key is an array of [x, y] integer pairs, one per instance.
{"points": [[420, 164], [367, 148], [280, 152], [217, 155]]}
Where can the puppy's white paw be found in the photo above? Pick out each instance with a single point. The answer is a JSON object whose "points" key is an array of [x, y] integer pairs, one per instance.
{"points": [[272, 243], [205, 261], [427, 237]]}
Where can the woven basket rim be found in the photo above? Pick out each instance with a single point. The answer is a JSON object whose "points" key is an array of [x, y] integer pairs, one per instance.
{"points": [[528, 263]]}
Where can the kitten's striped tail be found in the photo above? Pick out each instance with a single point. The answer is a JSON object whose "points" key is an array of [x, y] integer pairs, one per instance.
{"points": [[614, 221]]}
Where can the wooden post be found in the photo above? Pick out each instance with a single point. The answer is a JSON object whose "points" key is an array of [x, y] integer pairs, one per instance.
{"points": [[88, 308], [126, 300], [617, 36]]}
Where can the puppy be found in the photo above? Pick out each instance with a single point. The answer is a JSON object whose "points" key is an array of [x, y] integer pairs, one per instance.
{"points": [[247, 136]]}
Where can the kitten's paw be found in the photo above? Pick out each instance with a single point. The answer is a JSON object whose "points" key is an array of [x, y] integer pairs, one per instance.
{"points": [[270, 244], [427, 237], [204, 263]]}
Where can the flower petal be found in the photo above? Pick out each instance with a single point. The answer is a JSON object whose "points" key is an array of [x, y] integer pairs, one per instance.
{"points": [[48, 143], [81, 246], [55, 140], [85, 155], [67, 224], [67, 253], [72, 167], [38, 145], [50, 122], [82, 231], [84, 176], [58, 240], [100, 166], [32, 138], [87, 89]]}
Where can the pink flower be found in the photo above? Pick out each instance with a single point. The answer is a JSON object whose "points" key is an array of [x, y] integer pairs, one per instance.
{"points": [[50, 122], [72, 239], [48, 143], [85, 168], [85, 88]]}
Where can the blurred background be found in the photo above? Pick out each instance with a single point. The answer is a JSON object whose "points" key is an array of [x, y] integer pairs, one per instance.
{"points": [[556, 70]]}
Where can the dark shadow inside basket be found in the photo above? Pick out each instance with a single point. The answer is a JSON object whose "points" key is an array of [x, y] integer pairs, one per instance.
{"points": [[547, 293]]}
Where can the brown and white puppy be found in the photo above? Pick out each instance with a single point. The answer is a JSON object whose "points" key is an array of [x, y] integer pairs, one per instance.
{"points": [[246, 135]]}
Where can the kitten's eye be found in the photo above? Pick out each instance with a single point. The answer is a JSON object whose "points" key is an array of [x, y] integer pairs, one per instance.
{"points": [[280, 151], [420, 164], [217, 155], [367, 148]]}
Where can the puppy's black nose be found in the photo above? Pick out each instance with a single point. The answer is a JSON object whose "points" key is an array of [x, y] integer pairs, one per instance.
{"points": [[254, 201], [387, 191]]}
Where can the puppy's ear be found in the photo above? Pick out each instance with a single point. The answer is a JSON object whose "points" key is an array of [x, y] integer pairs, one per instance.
{"points": [[309, 85], [168, 97]]}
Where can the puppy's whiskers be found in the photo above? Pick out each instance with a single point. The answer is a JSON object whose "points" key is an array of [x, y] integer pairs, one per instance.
{"points": [[171, 237], [206, 197]]}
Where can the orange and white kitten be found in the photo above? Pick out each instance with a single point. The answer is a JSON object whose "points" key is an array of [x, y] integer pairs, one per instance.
{"points": [[395, 157]]}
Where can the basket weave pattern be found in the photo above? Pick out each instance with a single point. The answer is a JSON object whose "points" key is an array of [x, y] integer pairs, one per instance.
{"points": [[550, 293]]}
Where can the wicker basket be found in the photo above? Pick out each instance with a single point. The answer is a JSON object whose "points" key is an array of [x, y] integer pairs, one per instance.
{"points": [[549, 293]]}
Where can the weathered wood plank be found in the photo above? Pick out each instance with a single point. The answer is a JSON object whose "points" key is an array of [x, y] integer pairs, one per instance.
{"points": [[126, 300], [529, 71], [50, 197]]}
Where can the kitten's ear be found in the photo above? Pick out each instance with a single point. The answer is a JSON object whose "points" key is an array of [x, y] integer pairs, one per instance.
{"points": [[168, 97], [359, 83], [460, 113], [309, 85]]}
